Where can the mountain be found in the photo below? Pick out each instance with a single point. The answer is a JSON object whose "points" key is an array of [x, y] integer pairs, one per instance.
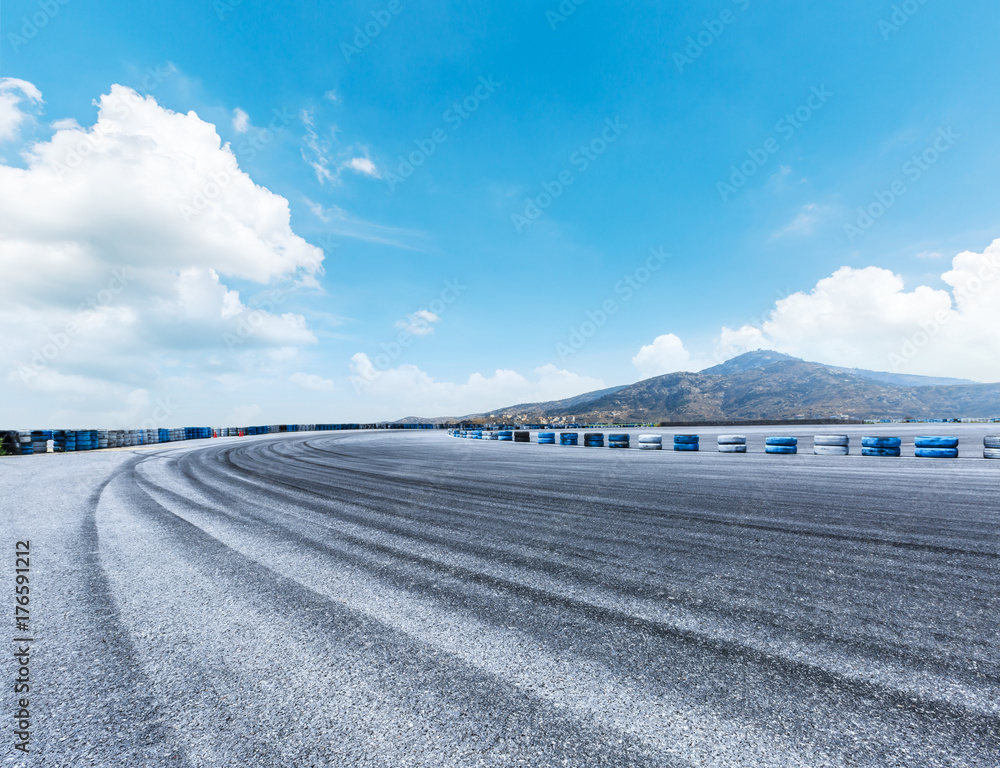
{"points": [[767, 385], [765, 357]]}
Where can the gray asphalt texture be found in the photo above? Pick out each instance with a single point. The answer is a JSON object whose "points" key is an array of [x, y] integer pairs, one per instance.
{"points": [[412, 599]]}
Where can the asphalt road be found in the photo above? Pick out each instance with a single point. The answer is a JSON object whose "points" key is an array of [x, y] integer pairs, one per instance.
{"points": [[411, 599]]}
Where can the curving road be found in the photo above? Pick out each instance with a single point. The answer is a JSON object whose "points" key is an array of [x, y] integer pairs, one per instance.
{"points": [[410, 599]]}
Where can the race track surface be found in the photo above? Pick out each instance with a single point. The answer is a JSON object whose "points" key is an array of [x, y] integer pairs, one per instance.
{"points": [[412, 599]]}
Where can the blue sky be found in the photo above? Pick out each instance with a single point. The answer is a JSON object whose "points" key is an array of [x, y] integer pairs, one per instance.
{"points": [[560, 146]]}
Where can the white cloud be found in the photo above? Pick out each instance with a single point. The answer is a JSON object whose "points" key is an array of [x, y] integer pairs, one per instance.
{"points": [[409, 391], [13, 93], [866, 318], [241, 121], [803, 224], [312, 382], [342, 223], [665, 355], [116, 242], [325, 154], [420, 323], [365, 166], [331, 95]]}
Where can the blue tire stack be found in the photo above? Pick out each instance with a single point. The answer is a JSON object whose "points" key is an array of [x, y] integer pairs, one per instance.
{"points": [[781, 445], [991, 447], [620, 440], [593, 439], [27, 447], [546, 438], [506, 435], [732, 444], [686, 442], [569, 438], [936, 447], [39, 441], [880, 446], [64, 441]]}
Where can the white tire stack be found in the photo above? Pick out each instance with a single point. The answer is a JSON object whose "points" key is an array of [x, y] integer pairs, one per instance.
{"points": [[651, 442], [991, 447], [732, 444], [831, 445]]}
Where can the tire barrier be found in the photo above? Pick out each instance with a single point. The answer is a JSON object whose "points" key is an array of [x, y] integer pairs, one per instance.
{"points": [[24, 438], [521, 436], [781, 445], [936, 453], [930, 447], [618, 441], [991, 453], [686, 442], [569, 438], [40, 441], [831, 445], [732, 443], [506, 435], [991, 442], [546, 438], [490, 436], [888, 447], [935, 442], [10, 441], [650, 442], [593, 439]]}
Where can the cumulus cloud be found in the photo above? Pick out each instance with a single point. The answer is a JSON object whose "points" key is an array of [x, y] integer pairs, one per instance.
{"points": [[665, 355], [866, 318], [13, 93], [116, 244], [420, 323], [312, 382], [408, 390]]}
